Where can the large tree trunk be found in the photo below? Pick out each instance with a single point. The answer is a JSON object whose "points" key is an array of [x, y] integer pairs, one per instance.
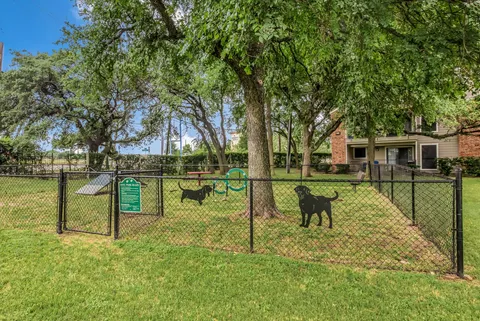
{"points": [[307, 151], [268, 121], [221, 157], [293, 144], [211, 166], [258, 159]]}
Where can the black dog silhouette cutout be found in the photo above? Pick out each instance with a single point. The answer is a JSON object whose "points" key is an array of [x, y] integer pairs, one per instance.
{"points": [[198, 195], [311, 204]]}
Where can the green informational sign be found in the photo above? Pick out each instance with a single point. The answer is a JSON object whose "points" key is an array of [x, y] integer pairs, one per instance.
{"points": [[130, 196]]}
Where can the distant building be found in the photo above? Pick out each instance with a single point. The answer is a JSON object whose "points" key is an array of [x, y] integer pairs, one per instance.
{"points": [[404, 149], [78, 150]]}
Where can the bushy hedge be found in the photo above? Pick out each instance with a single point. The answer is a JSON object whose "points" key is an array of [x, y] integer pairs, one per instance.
{"points": [[200, 161], [470, 165], [280, 159], [342, 168], [324, 167]]}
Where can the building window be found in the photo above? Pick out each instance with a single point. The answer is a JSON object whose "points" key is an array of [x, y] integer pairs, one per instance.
{"points": [[360, 152], [400, 156], [429, 156], [426, 127], [408, 125]]}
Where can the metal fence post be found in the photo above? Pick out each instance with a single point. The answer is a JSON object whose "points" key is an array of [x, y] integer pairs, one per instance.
{"points": [[391, 187], [52, 163], [162, 208], [459, 221], [251, 216], [413, 198], [116, 207], [370, 172], [65, 199], [301, 174], [158, 194], [379, 178], [61, 198]]}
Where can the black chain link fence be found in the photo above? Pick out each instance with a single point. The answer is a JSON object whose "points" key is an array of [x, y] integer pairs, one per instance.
{"points": [[387, 223], [87, 205], [368, 229], [39, 169], [426, 199]]}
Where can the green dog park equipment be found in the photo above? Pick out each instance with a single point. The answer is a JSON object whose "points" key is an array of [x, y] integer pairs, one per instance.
{"points": [[228, 185], [215, 183], [245, 182]]}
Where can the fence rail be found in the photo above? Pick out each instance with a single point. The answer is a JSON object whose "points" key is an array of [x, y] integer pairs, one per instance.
{"points": [[393, 221]]}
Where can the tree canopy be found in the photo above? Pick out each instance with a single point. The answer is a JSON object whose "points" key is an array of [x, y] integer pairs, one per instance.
{"points": [[376, 63]]}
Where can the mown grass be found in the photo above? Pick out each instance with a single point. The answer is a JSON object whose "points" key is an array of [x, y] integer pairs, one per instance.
{"points": [[82, 277], [368, 229], [471, 225]]}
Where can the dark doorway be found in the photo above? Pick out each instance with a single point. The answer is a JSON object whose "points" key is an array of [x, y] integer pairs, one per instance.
{"points": [[399, 156], [429, 156]]}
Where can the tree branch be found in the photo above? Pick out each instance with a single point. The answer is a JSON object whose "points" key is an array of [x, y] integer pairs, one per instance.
{"points": [[160, 7]]}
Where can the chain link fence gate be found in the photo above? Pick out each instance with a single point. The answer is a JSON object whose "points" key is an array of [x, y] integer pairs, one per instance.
{"points": [[85, 204]]}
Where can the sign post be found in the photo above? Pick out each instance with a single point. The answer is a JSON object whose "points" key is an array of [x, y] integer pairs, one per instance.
{"points": [[130, 196]]}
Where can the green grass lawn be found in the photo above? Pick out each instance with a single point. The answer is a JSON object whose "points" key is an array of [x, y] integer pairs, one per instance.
{"points": [[80, 277], [77, 276]]}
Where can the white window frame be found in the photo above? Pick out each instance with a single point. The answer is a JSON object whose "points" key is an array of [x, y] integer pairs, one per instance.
{"points": [[433, 131], [421, 156], [359, 157], [410, 160]]}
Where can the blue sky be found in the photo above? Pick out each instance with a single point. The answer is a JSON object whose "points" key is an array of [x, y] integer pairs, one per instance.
{"points": [[35, 26]]}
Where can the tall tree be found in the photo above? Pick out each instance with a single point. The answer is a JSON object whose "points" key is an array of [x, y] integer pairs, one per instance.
{"points": [[200, 93], [234, 32], [47, 95], [402, 58]]}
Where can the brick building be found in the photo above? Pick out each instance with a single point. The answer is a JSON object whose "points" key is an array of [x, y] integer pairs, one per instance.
{"points": [[403, 150]]}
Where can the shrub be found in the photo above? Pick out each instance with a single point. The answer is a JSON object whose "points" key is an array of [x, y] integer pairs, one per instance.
{"points": [[342, 168], [445, 166], [280, 159], [199, 161], [470, 165], [324, 167]]}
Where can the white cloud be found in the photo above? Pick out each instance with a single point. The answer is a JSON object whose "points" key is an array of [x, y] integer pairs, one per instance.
{"points": [[80, 8], [75, 13]]}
